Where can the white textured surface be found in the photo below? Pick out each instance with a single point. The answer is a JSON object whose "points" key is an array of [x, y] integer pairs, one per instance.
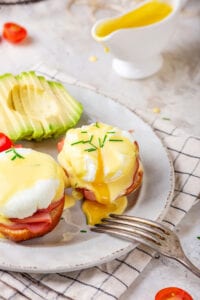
{"points": [[63, 41]]}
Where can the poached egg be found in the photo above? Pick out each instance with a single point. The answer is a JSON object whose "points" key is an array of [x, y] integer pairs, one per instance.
{"points": [[29, 180], [101, 161]]}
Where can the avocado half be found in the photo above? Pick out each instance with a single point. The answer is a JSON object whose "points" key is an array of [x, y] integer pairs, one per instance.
{"points": [[33, 108]]}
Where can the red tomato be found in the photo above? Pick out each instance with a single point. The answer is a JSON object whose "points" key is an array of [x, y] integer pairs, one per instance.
{"points": [[14, 33], [5, 142], [60, 145], [172, 293]]}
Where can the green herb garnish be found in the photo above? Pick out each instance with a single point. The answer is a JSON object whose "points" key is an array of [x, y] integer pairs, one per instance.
{"points": [[93, 145], [78, 142], [198, 237], [101, 143], [15, 154], [90, 149], [83, 231], [115, 140], [166, 119], [91, 138]]}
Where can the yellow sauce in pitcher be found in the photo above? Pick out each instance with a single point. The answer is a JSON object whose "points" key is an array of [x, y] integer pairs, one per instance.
{"points": [[147, 14]]}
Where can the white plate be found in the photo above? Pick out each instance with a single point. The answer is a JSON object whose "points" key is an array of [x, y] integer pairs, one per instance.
{"points": [[88, 249]]}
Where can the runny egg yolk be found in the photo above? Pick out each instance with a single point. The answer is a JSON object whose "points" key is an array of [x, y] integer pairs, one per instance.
{"points": [[96, 211], [101, 188], [101, 161]]}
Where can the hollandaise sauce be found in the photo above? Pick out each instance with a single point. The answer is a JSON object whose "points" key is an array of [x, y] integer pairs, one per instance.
{"points": [[24, 176], [147, 14], [100, 161]]}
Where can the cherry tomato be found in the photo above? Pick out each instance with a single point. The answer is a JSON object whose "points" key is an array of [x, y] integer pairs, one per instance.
{"points": [[14, 33], [172, 293], [5, 142], [60, 145]]}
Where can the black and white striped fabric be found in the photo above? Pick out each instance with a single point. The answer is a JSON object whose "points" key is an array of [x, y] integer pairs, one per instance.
{"points": [[109, 281]]}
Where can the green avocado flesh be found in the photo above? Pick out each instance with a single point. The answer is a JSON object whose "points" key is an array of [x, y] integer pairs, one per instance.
{"points": [[33, 108]]}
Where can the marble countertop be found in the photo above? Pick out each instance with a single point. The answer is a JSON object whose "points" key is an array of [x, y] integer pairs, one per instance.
{"points": [[62, 39]]}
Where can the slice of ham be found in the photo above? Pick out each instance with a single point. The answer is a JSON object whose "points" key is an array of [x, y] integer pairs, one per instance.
{"points": [[51, 206], [33, 227], [37, 222], [38, 217]]}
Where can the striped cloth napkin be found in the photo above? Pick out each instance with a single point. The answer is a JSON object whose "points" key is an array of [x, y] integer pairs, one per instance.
{"points": [[109, 281]]}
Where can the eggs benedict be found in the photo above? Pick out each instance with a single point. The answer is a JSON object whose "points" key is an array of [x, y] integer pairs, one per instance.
{"points": [[102, 162], [32, 193]]}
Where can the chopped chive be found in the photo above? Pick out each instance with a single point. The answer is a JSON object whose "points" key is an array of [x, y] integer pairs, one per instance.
{"points": [[101, 144], [198, 237], [115, 140], [93, 145], [91, 138], [99, 140], [16, 154], [90, 149], [111, 132], [97, 125], [83, 231], [166, 119], [9, 150], [83, 131], [104, 139], [78, 142]]}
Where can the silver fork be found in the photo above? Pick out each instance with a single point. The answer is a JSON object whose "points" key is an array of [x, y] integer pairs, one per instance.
{"points": [[153, 234]]}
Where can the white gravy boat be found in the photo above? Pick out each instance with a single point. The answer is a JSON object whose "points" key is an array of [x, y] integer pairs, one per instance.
{"points": [[137, 51]]}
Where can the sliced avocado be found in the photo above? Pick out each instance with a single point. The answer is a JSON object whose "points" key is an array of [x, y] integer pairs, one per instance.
{"points": [[58, 124], [70, 109], [34, 108], [19, 110], [27, 91], [47, 108], [13, 122]]}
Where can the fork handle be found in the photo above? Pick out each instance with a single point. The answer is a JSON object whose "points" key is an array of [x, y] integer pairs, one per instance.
{"points": [[188, 264]]}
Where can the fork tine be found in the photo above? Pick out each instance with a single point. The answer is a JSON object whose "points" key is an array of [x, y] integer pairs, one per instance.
{"points": [[146, 232], [126, 235], [141, 220], [130, 230], [137, 225]]}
